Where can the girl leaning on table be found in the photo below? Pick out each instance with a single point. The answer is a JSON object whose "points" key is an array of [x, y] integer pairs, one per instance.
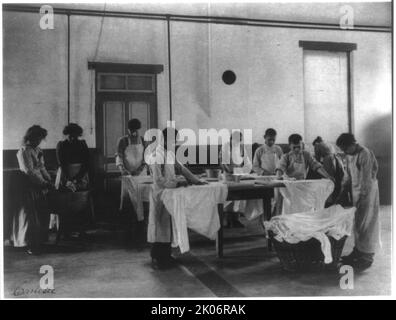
{"points": [[297, 162], [164, 167]]}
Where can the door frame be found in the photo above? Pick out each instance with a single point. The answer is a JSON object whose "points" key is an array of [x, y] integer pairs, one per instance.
{"points": [[348, 48], [101, 97]]}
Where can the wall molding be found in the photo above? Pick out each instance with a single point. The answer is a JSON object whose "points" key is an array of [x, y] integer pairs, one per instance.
{"points": [[201, 19]]}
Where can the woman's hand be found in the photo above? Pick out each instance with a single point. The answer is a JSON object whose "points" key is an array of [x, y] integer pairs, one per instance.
{"points": [[279, 174], [200, 183], [139, 170], [50, 185], [125, 172], [182, 184], [279, 177], [71, 186]]}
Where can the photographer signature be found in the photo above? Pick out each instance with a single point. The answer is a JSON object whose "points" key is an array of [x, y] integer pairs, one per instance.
{"points": [[21, 291]]}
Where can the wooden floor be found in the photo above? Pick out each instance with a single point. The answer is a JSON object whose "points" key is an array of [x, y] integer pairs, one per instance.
{"points": [[102, 266]]}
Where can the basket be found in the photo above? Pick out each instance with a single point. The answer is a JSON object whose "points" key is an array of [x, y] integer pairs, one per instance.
{"points": [[307, 255]]}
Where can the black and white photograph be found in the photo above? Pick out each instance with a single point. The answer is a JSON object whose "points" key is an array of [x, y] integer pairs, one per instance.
{"points": [[197, 150]]}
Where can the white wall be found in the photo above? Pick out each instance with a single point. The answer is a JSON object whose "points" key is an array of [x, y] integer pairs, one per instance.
{"points": [[122, 40], [268, 63], [34, 77]]}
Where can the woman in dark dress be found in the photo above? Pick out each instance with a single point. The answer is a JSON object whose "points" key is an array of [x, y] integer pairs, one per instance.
{"points": [[73, 160]]}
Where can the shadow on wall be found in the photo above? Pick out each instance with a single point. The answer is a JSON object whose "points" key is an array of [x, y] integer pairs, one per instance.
{"points": [[378, 137]]}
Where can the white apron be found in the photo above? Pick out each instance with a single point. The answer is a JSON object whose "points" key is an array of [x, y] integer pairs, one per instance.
{"points": [[269, 162], [367, 226], [160, 224], [134, 154], [298, 170]]}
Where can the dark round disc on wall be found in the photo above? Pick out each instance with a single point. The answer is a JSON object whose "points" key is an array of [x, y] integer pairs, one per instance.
{"points": [[229, 77]]}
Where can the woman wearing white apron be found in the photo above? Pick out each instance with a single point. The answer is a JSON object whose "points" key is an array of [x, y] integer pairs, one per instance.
{"points": [[362, 168], [267, 156], [130, 162], [265, 162], [296, 163], [164, 167], [130, 151]]}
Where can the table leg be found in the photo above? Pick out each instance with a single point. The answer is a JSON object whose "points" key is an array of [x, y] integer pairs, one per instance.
{"points": [[267, 216], [219, 239]]}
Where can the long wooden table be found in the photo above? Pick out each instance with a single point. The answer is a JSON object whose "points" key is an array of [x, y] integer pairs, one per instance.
{"points": [[246, 191]]}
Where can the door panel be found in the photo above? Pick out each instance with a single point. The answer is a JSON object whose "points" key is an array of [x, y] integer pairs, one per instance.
{"points": [[114, 128], [325, 95]]}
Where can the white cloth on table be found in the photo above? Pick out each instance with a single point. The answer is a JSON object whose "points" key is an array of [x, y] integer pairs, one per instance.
{"points": [[335, 221], [138, 189], [194, 207], [305, 195]]}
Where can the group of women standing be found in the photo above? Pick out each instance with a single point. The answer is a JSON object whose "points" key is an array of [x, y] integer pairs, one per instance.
{"points": [[356, 173], [30, 222]]}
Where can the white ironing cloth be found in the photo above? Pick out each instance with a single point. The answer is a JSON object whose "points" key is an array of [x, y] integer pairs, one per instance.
{"points": [[138, 189], [305, 195], [194, 207]]}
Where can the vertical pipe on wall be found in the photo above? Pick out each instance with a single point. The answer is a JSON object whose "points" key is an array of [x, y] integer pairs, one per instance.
{"points": [[68, 68], [350, 93], [169, 67]]}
